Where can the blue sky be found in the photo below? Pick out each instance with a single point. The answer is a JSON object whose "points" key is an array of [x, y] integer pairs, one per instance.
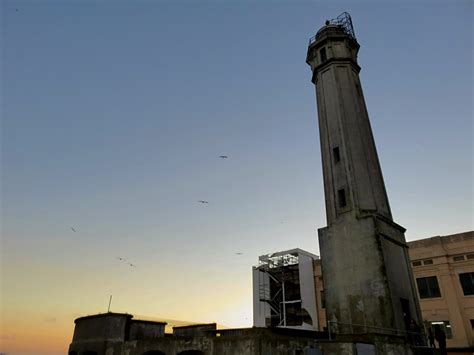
{"points": [[114, 115]]}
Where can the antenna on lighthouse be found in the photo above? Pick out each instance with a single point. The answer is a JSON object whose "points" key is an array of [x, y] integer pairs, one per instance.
{"points": [[110, 301]]}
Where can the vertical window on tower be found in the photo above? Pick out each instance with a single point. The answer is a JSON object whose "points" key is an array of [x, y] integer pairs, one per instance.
{"points": [[336, 154], [341, 197], [322, 53]]}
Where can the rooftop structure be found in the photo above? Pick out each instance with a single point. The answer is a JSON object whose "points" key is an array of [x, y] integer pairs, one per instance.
{"points": [[119, 334], [283, 290], [342, 24]]}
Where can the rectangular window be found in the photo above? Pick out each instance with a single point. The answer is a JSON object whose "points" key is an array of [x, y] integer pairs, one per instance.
{"points": [[428, 262], [428, 287], [341, 197], [323, 300], [336, 154], [470, 256], [322, 53], [416, 263], [445, 327], [467, 283], [458, 258], [472, 323]]}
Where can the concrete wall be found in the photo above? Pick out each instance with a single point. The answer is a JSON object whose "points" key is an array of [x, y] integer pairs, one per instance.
{"points": [[101, 333], [140, 330], [106, 333], [356, 287], [247, 341], [367, 295], [194, 330], [168, 345], [108, 326], [399, 273], [252, 341]]}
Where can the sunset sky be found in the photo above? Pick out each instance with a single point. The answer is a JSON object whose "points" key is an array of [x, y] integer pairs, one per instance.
{"points": [[114, 114]]}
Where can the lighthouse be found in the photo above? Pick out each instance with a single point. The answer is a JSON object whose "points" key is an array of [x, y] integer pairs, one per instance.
{"points": [[369, 287]]}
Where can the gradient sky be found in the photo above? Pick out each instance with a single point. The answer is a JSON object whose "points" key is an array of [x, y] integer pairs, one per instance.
{"points": [[113, 118]]}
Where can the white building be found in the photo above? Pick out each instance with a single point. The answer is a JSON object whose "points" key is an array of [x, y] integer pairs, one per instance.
{"points": [[284, 290]]}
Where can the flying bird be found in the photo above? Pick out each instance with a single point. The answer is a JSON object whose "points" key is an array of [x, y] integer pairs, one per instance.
{"points": [[239, 253], [202, 201], [120, 258], [132, 265], [223, 156], [73, 230]]}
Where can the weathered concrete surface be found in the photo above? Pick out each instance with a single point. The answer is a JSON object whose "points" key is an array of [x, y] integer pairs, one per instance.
{"points": [[263, 341], [367, 274], [360, 297], [194, 330], [100, 327], [252, 341], [100, 333], [116, 334], [366, 344], [142, 329], [168, 345], [119, 334]]}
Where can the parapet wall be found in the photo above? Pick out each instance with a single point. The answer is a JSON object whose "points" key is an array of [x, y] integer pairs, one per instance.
{"points": [[194, 330], [101, 327], [144, 330]]}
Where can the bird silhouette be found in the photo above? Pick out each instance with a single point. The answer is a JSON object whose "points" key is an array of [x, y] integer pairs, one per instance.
{"points": [[73, 230], [239, 253], [202, 201], [223, 156]]}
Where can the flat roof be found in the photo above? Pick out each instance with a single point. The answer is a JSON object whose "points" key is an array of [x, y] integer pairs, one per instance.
{"points": [[148, 321], [100, 315], [195, 325], [453, 238]]}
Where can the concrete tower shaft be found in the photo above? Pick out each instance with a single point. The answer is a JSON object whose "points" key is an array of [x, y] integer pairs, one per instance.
{"points": [[352, 176], [364, 256]]}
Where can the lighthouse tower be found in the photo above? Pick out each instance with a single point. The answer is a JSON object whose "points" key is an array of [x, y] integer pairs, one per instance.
{"points": [[368, 283]]}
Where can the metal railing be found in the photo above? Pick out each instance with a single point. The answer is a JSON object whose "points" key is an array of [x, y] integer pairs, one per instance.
{"points": [[343, 23], [394, 331]]}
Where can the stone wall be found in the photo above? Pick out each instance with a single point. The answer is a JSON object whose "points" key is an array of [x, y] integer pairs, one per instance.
{"points": [[140, 330]]}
